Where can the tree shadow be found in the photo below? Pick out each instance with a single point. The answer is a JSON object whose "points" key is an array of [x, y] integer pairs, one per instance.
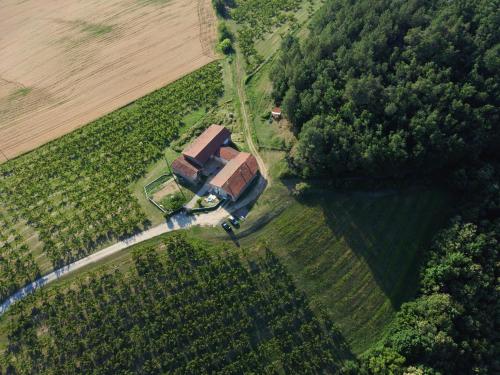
{"points": [[389, 229]]}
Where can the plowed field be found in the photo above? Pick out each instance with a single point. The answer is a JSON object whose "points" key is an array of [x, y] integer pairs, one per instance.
{"points": [[64, 63]]}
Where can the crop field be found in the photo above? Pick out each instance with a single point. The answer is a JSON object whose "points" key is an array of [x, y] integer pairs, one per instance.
{"points": [[182, 308], [358, 256], [258, 19], [73, 195], [64, 66]]}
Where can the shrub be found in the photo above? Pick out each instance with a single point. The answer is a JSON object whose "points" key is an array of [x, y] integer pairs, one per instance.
{"points": [[224, 32], [174, 202], [226, 46], [301, 188]]}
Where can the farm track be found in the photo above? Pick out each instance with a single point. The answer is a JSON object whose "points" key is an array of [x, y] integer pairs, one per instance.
{"points": [[73, 76], [247, 129]]}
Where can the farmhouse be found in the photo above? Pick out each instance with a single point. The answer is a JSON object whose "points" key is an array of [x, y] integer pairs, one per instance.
{"points": [[236, 176], [207, 144], [210, 155]]}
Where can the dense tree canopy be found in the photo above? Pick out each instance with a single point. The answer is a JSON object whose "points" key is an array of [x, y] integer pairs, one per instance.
{"points": [[389, 87]]}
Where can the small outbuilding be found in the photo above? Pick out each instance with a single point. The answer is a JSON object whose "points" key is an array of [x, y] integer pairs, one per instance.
{"points": [[276, 113], [186, 170]]}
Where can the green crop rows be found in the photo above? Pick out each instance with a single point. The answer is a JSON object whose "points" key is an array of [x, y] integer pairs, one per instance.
{"points": [[184, 310], [75, 191], [259, 17], [17, 264]]}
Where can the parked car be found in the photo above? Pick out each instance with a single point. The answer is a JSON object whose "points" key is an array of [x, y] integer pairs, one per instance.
{"points": [[234, 221], [226, 227]]}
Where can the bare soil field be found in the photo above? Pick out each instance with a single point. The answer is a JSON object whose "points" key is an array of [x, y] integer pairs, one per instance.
{"points": [[170, 188], [64, 63]]}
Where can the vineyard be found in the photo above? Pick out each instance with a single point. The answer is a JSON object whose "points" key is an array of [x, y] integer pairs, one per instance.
{"points": [[75, 191], [17, 264], [258, 18], [184, 309]]}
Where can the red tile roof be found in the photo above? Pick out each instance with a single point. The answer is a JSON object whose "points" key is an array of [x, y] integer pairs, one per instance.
{"points": [[237, 174], [207, 144], [227, 153], [276, 110], [184, 167]]}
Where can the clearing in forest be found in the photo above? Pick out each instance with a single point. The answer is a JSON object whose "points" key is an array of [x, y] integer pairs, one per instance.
{"points": [[64, 65]]}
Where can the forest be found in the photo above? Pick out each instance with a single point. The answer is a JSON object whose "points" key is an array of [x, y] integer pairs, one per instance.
{"points": [[183, 308], [409, 91], [74, 192], [392, 88]]}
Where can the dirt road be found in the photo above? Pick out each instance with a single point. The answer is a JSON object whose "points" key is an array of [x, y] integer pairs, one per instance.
{"points": [[247, 130]]}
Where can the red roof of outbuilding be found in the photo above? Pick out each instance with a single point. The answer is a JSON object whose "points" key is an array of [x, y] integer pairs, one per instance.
{"points": [[276, 110], [227, 153], [184, 167], [207, 143], [237, 174]]}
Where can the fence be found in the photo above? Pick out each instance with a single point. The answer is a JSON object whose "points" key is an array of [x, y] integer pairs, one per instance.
{"points": [[206, 209], [155, 183]]}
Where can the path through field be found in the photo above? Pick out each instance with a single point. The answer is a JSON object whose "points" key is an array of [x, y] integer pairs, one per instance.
{"points": [[65, 63], [247, 129]]}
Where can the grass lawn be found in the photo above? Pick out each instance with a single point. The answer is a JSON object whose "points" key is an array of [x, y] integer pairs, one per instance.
{"points": [[355, 255], [268, 135]]}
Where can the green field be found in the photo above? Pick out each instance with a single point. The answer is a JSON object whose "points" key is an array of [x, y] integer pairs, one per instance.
{"points": [[72, 196], [184, 308], [355, 255]]}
